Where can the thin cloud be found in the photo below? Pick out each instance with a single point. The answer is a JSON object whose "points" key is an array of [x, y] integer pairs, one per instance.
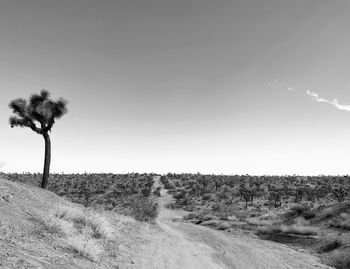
{"points": [[315, 96], [277, 83]]}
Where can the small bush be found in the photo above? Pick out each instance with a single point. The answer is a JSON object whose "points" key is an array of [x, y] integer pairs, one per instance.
{"points": [[191, 215], [339, 259], [167, 184], [328, 213], [232, 218], [223, 226], [300, 211], [86, 247], [298, 229], [144, 209], [334, 211], [330, 246], [287, 229], [68, 212], [99, 224], [206, 197], [258, 221], [54, 225], [180, 195], [207, 217], [342, 223]]}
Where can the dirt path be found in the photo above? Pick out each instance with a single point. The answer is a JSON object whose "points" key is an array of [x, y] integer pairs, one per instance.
{"points": [[173, 244]]}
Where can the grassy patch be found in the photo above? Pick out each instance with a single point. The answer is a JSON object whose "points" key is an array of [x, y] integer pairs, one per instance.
{"points": [[334, 211], [83, 230], [287, 229], [99, 224], [299, 210], [51, 224], [86, 247], [338, 259], [342, 223]]}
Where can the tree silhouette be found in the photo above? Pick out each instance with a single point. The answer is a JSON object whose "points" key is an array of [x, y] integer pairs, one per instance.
{"points": [[39, 114]]}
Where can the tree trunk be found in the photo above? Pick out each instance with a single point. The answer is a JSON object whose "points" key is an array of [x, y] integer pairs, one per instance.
{"points": [[47, 161]]}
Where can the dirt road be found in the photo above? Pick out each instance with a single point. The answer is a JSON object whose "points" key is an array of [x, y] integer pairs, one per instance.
{"points": [[173, 244]]}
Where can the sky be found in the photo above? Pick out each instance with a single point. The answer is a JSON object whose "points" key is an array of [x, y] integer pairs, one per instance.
{"points": [[225, 87]]}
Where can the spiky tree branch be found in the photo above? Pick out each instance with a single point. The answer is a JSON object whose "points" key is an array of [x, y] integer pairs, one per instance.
{"points": [[41, 110]]}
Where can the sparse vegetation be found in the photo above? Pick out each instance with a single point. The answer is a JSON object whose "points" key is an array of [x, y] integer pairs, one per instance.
{"points": [[85, 218], [86, 247], [339, 259], [144, 209], [128, 194], [288, 209], [343, 222], [287, 229], [54, 225], [82, 229], [330, 246]]}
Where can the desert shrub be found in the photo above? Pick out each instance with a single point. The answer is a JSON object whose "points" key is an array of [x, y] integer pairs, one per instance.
{"points": [[180, 195], [276, 198], [339, 193], [177, 184], [68, 212], [206, 197], [300, 211], [222, 195], [259, 221], [146, 192], [247, 194], [287, 229], [99, 224], [241, 215], [170, 206], [232, 218], [298, 229], [156, 192], [207, 217], [330, 246], [216, 207], [86, 247], [223, 215], [191, 215], [167, 184], [343, 222], [223, 226], [54, 225], [144, 209], [328, 213], [338, 259], [334, 211]]}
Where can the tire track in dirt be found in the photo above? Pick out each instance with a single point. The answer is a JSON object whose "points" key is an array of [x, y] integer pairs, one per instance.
{"points": [[173, 244]]}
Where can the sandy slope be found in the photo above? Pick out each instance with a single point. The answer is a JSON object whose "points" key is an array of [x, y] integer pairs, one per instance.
{"points": [[25, 244], [174, 244], [168, 244]]}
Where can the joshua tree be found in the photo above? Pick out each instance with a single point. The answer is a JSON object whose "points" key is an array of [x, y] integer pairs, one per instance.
{"points": [[39, 114]]}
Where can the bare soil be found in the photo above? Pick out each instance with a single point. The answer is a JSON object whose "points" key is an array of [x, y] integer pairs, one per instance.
{"points": [[169, 243], [173, 244]]}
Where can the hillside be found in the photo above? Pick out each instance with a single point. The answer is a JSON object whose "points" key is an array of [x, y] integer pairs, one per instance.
{"points": [[41, 230], [31, 236]]}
